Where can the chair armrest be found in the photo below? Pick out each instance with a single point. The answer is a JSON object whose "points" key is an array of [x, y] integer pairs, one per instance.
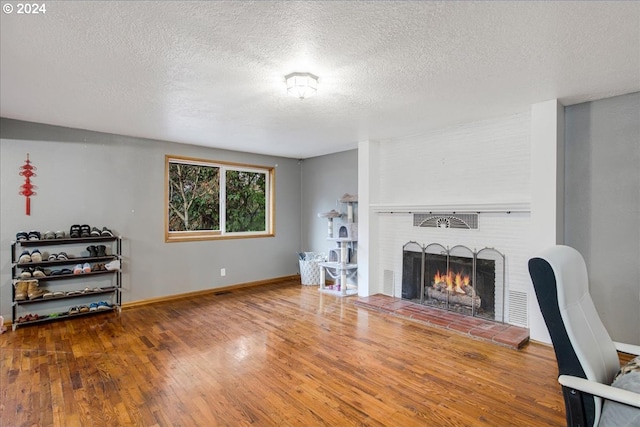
{"points": [[602, 390], [627, 348]]}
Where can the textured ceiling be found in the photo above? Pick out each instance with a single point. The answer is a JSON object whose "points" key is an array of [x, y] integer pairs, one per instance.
{"points": [[212, 73]]}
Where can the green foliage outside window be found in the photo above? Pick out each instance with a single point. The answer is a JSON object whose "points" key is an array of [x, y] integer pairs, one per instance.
{"points": [[246, 201], [213, 200], [193, 197]]}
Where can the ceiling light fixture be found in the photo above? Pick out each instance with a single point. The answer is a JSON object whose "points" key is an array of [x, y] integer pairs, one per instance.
{"points": [[301, 85]]}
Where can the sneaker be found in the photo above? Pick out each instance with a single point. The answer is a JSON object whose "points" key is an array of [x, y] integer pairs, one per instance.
{"points": [[60, 234], [95, 232], [77, 269], [93, 306], [34, 235], [49, 235], [103, 305], [26, 273], [113, 265], [86, 267], [21, 236]]}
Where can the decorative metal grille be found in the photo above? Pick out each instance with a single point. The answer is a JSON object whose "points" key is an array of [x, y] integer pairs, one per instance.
{"points": [[446, 220]]}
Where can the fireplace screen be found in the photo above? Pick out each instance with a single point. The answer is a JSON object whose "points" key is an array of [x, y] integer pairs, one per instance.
{"points": [[456, 279]]}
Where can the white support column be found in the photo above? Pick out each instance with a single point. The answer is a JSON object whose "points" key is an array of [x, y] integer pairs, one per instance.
{"points": [[369, 282], [547, 174], [547, 192]]}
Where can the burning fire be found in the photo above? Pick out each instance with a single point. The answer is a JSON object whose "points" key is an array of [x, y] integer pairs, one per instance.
{"points": [[455, 282]]}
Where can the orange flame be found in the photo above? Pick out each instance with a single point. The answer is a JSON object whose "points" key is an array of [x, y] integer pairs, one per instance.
{"points": [[455, 283]]}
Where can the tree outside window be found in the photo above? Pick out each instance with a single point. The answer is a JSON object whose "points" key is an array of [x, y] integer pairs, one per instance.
{"points": [[211, 200]]}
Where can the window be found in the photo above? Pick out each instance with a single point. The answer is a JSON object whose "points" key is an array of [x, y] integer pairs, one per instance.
{"points": [[214, 200]]}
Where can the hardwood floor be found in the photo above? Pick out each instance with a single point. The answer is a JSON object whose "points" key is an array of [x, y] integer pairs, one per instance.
{"points": [[276, 355]]}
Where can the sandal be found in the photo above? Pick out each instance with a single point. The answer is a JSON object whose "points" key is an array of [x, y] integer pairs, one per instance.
{"points": [[106, 232], [85, 230], [74, 231]]}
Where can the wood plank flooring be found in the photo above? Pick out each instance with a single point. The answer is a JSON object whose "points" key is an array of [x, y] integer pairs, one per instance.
{"points": [[275, 355]]}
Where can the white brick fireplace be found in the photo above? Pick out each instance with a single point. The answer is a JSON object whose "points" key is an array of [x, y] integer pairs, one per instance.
{"points": [[505, 169]]}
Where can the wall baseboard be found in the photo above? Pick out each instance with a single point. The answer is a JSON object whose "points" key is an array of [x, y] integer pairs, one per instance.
{"points": [[140, 303]]}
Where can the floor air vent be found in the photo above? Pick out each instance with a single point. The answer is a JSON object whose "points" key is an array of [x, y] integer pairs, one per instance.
{"points": [[518, 309]]}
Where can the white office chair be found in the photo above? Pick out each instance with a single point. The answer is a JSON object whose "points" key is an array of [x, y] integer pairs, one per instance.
{"points": [[587, 357]]}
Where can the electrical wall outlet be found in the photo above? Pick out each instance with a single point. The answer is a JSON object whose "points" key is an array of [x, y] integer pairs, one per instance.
{"points": [[223, 272]]}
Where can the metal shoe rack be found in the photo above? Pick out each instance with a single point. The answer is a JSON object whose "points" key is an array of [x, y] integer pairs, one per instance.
{"points": [[66, 285]]}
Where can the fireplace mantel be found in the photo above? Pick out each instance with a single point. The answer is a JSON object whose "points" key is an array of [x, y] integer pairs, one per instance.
{"points": [[506, 207]]}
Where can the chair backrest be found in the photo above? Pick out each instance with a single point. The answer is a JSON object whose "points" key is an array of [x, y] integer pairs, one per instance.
{"points": [[582, 345]]}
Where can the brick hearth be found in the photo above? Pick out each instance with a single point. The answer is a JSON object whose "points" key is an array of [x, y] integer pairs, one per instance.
{"points": [[486, 330]]}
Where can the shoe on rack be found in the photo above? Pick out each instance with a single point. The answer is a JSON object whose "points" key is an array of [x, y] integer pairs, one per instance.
{"points": [[84, 309], [86, 267], [34, 291], [85, 230], [103, 305], [39, 272], [22, 287], [34, 235], [25, 257], [60, 234], [102, 250], [74, 231], [106, 232], [21, 236], [93, 251], [113, 265], [36, 256], [26, 273], [78, 269], [74, 310], [49, 235], [95, 232], [62, 256], [93, 306]]}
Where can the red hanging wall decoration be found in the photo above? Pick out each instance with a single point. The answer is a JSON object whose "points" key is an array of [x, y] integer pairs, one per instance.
{"points": [[26, 189]]}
